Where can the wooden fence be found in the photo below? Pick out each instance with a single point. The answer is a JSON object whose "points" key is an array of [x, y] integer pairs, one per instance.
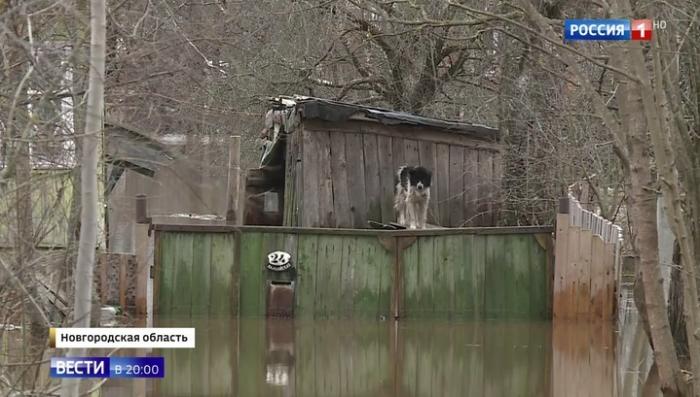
{"points": [[118, 283], [586, 265], [441, 273]]}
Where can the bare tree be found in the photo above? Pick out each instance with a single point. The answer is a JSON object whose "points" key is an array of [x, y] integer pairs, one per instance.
{"points": [[89, 187]]}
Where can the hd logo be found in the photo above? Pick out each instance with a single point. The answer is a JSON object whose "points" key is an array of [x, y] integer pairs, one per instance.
{"points": [[279, 261]]}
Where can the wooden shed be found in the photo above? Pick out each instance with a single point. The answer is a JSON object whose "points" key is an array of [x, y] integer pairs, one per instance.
{"points": [[332, 164]]}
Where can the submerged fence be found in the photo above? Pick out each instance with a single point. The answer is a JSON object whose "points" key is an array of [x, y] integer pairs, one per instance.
{"points": [[587, 263]]}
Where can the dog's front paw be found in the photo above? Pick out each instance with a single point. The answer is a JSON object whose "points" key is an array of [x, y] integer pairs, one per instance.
{"points": [[413, 226]]}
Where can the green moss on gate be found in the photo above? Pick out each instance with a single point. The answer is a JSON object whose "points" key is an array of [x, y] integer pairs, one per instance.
{"points": [[340, 275]]}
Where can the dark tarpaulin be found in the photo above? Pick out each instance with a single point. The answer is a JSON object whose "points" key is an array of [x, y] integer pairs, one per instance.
{"points": [[332, 111]]}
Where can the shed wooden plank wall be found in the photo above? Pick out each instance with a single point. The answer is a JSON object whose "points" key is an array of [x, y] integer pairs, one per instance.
{"points": [[347, 172], [450, 273]]}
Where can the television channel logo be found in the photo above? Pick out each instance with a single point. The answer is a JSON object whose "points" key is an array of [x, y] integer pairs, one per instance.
{"points": [[611, 29]]}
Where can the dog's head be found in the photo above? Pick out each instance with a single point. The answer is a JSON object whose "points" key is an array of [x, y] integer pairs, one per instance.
{"points": [[420, 178]]}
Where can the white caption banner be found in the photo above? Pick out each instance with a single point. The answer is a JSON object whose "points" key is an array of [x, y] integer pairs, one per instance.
{"points": [[124, 338]]}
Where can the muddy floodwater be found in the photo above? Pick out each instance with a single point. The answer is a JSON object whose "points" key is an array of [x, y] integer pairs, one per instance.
{"points": [[308, 358]]}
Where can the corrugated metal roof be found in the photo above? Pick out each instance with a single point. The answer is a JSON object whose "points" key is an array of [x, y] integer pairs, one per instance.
{"points": [[333, 111], [129, 148]]}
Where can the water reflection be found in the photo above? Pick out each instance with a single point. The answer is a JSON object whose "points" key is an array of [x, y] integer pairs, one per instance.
{"points": [[254, 357]]}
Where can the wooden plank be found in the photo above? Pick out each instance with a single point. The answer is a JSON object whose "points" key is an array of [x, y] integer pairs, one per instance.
{"points": [[470, 185], [497, 188], [495, 278], [572, 273], [328, 276], [398, 153], [159, 263], [476, 252], [410, 275], [609, 283], [540, 274], [426, 269], [368, 301], [428, 158], [311, 180], [485, 205], [201, 273], [442, 179], [306, 275], [441, 298], [383, 261], [251, 265], [386, 177], [290, 179], [354, 153], [221, 282], [522, 289], [561, 266], [182, 302], [583, 304], [411, 154], [347, 274], [456, 187], [341, 196], [298, 180], [414, 133], [373, 189], [234, 177], [456, 270], [325, 193]]}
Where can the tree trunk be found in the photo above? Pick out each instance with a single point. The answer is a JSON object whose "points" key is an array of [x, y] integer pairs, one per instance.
{"points": [[89, 192], [643, 211], [675, 305]]}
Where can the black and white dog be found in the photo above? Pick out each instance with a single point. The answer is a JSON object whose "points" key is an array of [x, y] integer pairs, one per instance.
{"points": [[412, 196]]}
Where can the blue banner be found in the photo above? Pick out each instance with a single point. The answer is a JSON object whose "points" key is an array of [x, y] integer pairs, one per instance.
{"points": [[79, 367], [107, 367], [597, 29]]}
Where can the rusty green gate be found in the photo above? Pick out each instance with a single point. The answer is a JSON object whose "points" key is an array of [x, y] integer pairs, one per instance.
{"points": [[439, 273]]}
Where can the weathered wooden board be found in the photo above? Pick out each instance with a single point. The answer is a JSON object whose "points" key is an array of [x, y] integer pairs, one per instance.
{"points": [[485, 199], [471, 188], [456, 188], [586, 264], [341, 188], [372, 179], [428, 158], [354, 154], [386, 178], [464, 188], [442, 183], [311, 168], [325, 183], [202, 265]]}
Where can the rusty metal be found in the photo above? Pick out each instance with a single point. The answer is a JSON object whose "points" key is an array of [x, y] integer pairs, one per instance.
{"points": [[141, 209], [280, 299]]}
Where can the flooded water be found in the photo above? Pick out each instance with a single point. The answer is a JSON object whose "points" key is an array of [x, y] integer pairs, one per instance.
{"points": [[255, 357]]}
